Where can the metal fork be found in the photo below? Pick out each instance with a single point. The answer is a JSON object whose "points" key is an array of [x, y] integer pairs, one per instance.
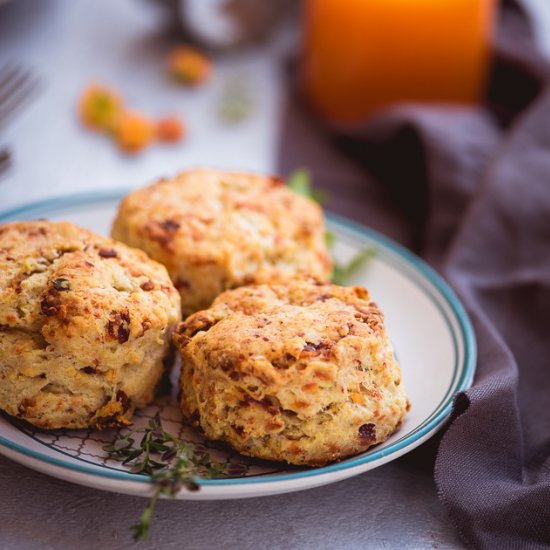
{"points": [[16, 86], [5, 161]]}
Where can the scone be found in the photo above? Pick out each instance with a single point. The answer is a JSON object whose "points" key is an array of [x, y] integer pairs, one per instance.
{"points": [[85, 325], [217, 230], [302, 373]]}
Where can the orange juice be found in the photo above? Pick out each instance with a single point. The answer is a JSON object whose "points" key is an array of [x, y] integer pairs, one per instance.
{"points": [[362, 55]]}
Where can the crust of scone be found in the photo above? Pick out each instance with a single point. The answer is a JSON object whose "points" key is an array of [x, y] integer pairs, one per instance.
{"points": [[216, 230], [302, 373], [85, 325]]}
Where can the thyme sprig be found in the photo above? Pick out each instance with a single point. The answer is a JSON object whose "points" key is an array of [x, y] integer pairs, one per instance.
{"points": [[300, 182], [171, 463]]}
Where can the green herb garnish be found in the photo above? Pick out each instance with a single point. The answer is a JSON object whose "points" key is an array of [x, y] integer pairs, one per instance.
{"points": [[171, 463], [300, 182], [330, 238], [342, 272]]}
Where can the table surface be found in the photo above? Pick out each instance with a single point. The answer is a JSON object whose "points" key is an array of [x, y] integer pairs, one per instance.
{"points": [[68, 44]]}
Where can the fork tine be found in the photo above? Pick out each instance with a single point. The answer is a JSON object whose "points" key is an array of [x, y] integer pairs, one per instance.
{"points": [[10, 78], [7, 70], [13, 96], [5, 161]]}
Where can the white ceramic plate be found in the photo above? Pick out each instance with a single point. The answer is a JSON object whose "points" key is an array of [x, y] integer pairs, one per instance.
{"points": [[431, 333]]}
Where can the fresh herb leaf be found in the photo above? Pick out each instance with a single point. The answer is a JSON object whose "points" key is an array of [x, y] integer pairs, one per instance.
{"points": [[171, 463], [342, 272], [330, 238], [300, 182]]}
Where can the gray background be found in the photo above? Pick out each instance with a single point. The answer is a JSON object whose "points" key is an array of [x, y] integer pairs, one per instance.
{"points": [[68, 44]]}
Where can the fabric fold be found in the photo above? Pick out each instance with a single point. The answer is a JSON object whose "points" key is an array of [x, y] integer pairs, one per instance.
{"points": [[470, 192]]}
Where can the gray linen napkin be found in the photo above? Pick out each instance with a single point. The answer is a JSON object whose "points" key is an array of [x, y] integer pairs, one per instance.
{"points": [[493, 465], [469, 189]]}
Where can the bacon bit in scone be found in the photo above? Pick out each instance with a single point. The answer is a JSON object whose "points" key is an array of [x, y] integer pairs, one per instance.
{"points": [[89, 370], [162, 232], [276, 181], [283, 362], [182, 284], [24, 406], [171, 226], [107, 253], [16, 285], [62, 285], [111, 422], [372, 317], [247, 280], [227, 365], [119, 327], [50, 305], [36, 232], [124, 400], [363, 294], [274, 426], [323, 348], [147, 285], [367, 432], [323, 374], [183, 340], [265, 403], [238, 429], [111, 415], [196, 324]]}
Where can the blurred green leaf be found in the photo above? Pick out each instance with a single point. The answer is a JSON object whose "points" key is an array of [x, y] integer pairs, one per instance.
{"points": [[300, 182], [342, 272]]}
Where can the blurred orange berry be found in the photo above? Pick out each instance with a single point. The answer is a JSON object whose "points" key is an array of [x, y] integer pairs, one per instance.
{"points": [[100, 108], [170, 129], [134, 132], [189, 65]]}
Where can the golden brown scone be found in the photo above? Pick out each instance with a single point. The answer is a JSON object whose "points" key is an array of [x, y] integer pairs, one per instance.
{"points": [[85, 324], [217, 230], [303, 373]]}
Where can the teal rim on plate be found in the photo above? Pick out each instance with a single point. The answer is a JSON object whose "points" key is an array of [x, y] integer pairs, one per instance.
{"points": [[403, 260]]}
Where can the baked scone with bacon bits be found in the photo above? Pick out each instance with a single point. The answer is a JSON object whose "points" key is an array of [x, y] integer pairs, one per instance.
{"points": [[302, 373], [216, 230], [85, 326]]}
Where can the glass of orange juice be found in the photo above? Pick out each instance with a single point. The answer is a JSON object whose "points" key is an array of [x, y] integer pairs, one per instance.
{"points": [[360, 56]]}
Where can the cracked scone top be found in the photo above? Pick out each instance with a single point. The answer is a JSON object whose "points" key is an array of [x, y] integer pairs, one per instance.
{"points": [[302, 373], [216, 230], [85, 325]]}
